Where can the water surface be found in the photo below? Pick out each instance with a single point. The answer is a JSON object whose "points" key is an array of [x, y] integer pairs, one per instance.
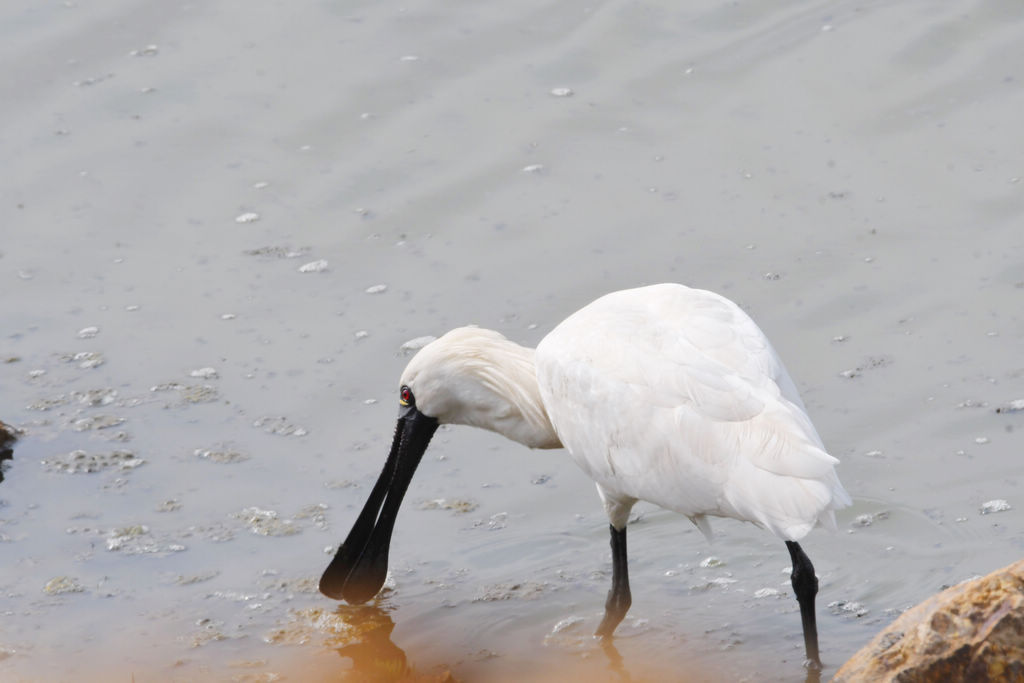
{"points": [[220, 222]]}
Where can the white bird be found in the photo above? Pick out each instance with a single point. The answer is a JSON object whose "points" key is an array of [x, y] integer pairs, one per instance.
{"points": [[665, 393]]}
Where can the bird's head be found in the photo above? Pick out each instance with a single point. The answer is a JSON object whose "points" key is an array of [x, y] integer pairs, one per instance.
{"points": [[469, 376], [458, 379]]}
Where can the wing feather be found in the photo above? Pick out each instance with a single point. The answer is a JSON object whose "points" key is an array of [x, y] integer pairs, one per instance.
{"points": [[674, 395]]}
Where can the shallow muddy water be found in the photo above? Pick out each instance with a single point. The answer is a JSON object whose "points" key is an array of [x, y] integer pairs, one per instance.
{"points": [[220, 223]]}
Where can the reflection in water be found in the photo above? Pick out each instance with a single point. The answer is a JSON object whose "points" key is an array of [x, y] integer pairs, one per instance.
{"points": [[7, 439], [813, 674], [374, 656], [377, 659], [614, 658]]}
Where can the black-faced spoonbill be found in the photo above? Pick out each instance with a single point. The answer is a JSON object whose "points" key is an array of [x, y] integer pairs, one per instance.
{"points": [[664, 393]]}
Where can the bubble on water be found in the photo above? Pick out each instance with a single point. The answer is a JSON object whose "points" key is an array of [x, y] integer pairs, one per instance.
{"points": [[306, 625], [409, 58], [82, 462], [131, 308], [711, 561], [369, 401], [215, 533], [148, 51], [183, 580], [526, 590], [220, 454], [847, 608], [361, 334], [995, 505], [302, 584], [88, 332], [875, 453], [562, 92], [209, 631], [376, 289], [204, 373], [280, 425], [228, 316], [260, 185], [35, 374], [318, 266], [496, 521], [86, 360], [189, 393], [971, 403], [869, 519], [568, 624], [117, 538], [278, 251], [981, 440], [169, 505], [1013, 406], [457, 505], [266, 522], [247, 217], [416, 343], [870, 363], [533, 168], [85, 424], [63, 584], [95, 397], [45, 404], [94, 80], [767, 593]]}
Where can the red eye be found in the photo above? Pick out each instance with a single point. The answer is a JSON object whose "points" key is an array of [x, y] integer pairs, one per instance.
{"points": [[406, 396]]}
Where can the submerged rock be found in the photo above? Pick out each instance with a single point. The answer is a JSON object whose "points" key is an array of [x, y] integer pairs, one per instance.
{"points": [[973, 631], [8, 435]]}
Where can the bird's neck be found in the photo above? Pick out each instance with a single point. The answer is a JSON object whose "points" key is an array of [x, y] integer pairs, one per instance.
{"points": [[508, 372]]}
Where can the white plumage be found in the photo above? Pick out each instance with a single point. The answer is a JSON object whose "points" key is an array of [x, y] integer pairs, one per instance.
{"points": [[674, 396]]}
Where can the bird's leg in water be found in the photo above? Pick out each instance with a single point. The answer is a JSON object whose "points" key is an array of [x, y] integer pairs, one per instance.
{"points": [[805, 585], [619, 599]]}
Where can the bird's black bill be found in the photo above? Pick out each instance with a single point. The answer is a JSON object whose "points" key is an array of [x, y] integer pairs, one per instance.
{"points": [[360, 566]]}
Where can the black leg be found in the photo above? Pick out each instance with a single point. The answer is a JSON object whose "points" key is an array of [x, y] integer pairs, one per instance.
{"points": [[619, 599], [805, 585]]}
